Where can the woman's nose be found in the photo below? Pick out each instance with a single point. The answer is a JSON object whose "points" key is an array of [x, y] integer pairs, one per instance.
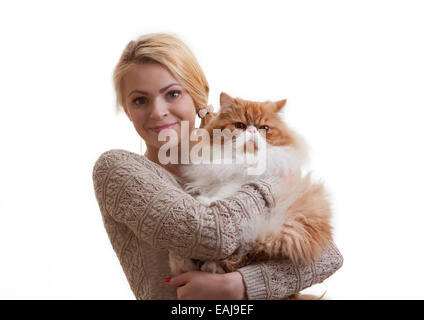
{"points": [[159, 109]]}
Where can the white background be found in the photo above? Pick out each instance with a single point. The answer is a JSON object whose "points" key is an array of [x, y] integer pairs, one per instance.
{"points": [[353, 74]]}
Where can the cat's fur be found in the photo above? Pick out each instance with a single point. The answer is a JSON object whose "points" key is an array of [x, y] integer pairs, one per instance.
{"points": [[298, 227]]}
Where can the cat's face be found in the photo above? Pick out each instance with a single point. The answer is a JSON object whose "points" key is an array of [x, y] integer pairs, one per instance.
{"points": [[252, 120]]}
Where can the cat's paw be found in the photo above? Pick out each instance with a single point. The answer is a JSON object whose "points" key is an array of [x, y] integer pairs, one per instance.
{"points": [[212, 266], [268, 249], [287, 246], [180, 265]]}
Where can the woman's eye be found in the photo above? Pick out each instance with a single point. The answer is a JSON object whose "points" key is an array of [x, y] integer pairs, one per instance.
{"points": [[174, 93], [240, 125], [266, 128], [140, 100]]}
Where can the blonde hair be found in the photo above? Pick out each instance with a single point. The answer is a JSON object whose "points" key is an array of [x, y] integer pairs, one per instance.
{"points": [[174, 55]]}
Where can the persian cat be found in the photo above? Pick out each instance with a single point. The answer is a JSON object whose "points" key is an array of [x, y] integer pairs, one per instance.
{"points": [[298, 226]]}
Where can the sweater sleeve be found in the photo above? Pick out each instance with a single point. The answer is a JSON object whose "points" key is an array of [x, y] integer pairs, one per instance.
{"points": [[140, 194], [279, 279]]}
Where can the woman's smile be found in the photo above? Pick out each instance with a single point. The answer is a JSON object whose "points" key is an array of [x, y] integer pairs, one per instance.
{"points": [[157, 129]]}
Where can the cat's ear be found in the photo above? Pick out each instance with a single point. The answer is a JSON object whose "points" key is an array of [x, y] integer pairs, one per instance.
{"points": [[226, 101], [279, 105]]}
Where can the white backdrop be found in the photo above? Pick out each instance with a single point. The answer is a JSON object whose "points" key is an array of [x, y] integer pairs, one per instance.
{"points": [[353, 74]]}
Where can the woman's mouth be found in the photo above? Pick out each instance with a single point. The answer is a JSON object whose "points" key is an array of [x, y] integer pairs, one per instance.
{"points": [[157, 129]]}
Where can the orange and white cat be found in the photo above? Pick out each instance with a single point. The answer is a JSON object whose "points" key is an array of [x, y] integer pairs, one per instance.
{"points": [[298, 227]]}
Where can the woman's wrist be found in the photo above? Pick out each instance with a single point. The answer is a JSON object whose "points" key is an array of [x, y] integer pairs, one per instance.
{"points": [[235, 285]]}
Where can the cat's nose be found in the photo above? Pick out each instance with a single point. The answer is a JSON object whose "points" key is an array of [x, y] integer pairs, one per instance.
{"points": [[251, 129]]}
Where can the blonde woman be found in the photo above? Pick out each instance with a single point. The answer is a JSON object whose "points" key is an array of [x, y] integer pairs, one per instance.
{"points": [[160, 85]]}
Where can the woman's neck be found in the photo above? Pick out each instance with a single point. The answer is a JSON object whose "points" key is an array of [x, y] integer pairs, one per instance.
{"points": [[152, 154]]}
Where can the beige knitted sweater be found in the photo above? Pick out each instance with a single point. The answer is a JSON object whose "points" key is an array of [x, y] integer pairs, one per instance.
{"points": [[146, 213]]}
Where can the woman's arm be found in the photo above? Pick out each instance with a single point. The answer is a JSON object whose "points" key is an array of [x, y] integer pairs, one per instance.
{"points": [[134, 191], [199, 285], [267, 280], [280, 279]]}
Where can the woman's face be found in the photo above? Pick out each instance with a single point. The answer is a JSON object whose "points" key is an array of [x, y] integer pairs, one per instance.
{"points": [[155, 101]]}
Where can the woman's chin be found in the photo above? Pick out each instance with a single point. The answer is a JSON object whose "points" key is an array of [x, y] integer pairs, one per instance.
{"points": [[169, 143]]}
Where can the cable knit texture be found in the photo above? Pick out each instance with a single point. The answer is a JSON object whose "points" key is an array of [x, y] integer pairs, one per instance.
{"points": [[146, 214]]}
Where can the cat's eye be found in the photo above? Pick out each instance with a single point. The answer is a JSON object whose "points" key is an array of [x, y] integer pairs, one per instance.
{"points": [[240, 125], [266, 128]]}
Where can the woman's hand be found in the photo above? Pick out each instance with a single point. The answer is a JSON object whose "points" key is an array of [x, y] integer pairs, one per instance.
{"points": [[198, 285]]}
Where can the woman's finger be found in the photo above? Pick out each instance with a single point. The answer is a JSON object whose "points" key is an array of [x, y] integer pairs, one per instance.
{"points": [[179, 280]]}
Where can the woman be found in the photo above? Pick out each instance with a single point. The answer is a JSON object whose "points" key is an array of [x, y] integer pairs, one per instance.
{"points": [[146, 213]]}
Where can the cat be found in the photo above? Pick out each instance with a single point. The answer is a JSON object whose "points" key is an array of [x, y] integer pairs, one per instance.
{"points": [[298, 227]]}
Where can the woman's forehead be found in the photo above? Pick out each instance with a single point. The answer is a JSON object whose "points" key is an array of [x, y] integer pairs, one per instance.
{"points": [[149, 77]]}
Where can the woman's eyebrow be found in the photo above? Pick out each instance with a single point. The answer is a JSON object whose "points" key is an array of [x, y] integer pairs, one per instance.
{"points": [[160, 91]]}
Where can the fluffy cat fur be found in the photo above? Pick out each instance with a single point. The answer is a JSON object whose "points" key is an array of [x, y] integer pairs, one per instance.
{"points": [[298, 227]]}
